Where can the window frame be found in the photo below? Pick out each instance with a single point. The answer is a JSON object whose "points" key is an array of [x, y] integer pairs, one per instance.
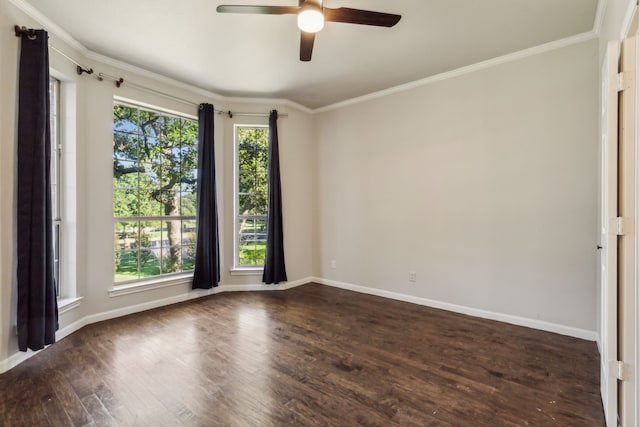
{"points": [[124, 287], [237, 267], [56, 183], [66, 133]]}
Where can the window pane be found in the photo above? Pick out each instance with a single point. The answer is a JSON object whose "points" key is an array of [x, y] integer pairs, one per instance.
{"points": [[56, 177], [246, 229], [125, 119], [149, 176], [261, 229], [172, 246], [259, 204], [251, 199], [126, 265], [125, 146], [252, 253], [56, 256], [149, 248], [188, 245], [149, 204], [155, 161], [126, 253], [150, 149], [125, 202], [125, 173], [188, 203], [252, 241]]}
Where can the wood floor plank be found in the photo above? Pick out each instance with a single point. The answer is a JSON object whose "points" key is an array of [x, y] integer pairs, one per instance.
{"points": [[308, 356]]}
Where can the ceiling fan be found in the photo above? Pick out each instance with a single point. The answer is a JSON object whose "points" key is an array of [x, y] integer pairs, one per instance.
{"points": [[312, 16]]}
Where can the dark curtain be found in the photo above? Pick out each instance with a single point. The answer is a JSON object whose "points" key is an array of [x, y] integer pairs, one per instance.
{"points": [[37, 305], [207, 265], [274, 270]]}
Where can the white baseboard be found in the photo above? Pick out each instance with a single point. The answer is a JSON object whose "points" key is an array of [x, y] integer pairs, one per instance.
{"points": [[15, 360], [20, 357], [507, 318]]}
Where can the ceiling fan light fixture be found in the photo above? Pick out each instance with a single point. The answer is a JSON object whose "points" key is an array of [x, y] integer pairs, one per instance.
{"points": [[310, 19]]}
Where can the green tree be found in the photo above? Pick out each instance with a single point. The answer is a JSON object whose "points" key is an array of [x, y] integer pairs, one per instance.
{"points": [[154, 169], [252, 166]]}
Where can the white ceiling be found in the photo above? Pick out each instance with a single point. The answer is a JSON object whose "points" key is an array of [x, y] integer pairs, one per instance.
{"points": [[257, 55]]}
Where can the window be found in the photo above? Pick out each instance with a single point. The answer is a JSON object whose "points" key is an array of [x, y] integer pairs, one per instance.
{"points": [[252, 145], [56, 186], [154, 191]]}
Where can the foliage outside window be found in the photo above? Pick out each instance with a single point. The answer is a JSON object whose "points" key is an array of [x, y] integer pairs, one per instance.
{"points": [[252, 145], [154, 192], [56, 187]]}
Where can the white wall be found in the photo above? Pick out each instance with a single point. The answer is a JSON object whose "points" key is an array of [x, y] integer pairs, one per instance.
{"points": [[9, 48], [484, 185], [7, 132], [93, 205]]}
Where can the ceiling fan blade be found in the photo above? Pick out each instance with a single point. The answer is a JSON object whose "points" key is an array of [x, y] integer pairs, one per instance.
{"points": [[306, 45], [262, 10], [359, 16]]}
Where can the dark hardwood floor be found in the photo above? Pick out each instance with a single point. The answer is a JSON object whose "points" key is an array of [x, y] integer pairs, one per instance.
{"points": [[312, 355]]}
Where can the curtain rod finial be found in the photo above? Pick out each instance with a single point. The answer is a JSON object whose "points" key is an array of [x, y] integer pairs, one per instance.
{"points": [[81, 70], [30, 32]]}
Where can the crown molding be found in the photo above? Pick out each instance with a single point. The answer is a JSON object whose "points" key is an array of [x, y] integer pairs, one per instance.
{"points": [[283, 101], [124, 66], [160, 78], [628, 19], [49, 25], [597, 22], [532, 51]]}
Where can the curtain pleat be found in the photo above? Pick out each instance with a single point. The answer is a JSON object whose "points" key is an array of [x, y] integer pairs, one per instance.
{"points": [[274, 265], [37, 319], [207, 263]]}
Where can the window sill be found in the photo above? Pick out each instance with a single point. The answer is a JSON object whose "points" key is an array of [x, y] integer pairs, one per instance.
{"points": [[148, 285], [248, 271], [68, 304]]}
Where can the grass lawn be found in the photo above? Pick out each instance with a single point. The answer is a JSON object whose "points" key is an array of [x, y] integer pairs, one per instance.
{"points": [[127, 268], [252, 253]]}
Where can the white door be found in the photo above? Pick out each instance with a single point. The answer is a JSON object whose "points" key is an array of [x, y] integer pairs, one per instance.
{"points": [[608, 234], [627, 400]]}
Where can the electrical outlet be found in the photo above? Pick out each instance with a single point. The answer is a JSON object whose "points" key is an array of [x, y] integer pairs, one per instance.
{"points": [[334, 264], [412, 276]]}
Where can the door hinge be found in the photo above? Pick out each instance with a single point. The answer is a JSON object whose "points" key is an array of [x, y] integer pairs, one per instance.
{"points": [[625, 81], [621, 226], [621, 370]]}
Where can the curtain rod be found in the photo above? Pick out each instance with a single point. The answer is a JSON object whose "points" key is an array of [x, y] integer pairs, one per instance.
{"points": [[31, 33], [80, 69], [228, 113]]}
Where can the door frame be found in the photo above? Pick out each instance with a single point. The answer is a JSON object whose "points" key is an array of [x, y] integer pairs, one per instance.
{"points": [[628, 241]]}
